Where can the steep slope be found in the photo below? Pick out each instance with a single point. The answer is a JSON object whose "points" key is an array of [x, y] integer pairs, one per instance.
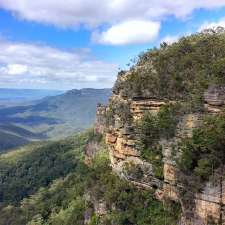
{"points": [[50, 184], [165, 125]]}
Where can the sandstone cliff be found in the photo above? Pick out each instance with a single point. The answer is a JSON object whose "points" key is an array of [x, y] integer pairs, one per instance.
{"points": [[121, 138], [164, 125]]}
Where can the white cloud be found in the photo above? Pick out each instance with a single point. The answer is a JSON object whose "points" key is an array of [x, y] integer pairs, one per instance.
{"points": [[37, 65], [207, 25], [14, 69], [130, 32], [95, 13]]}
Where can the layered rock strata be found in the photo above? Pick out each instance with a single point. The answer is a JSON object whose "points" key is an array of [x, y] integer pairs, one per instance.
{"points": [[209, 204]]}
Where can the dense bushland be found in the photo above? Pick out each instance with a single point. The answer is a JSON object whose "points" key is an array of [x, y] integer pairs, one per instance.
{"points": [[57, 188], [180, 71], [23, 176]]}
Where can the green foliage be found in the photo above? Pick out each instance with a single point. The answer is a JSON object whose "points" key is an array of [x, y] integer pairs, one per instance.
{"points": [[122, 109], [126, 204], [155, 157], [148, 129], [94, 220], [64, 201], [9, 141], [110, 120], [167, 120], [152, 128], [203, 153], [38, 168], [93, 136], [180, 71], [134, 170]]}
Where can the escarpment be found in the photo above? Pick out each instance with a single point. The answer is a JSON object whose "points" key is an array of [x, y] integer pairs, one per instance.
{"points": [[122, 140], [164, 128]]}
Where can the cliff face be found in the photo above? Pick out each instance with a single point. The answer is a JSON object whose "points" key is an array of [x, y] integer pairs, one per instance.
{"points": [[121, 137], [165, 125]]}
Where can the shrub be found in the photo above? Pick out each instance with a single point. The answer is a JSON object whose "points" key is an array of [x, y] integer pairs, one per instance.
{"points": [[180, 71], [204, 152], [151, 129]]}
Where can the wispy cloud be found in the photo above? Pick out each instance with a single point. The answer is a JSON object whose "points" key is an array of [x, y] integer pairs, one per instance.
{"points": [[41, 65]]}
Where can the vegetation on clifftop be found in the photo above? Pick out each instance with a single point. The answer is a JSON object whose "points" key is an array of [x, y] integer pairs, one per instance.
{"points": [[180, 71]]}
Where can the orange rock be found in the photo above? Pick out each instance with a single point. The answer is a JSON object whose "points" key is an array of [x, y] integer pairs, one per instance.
{"points": [[118, 155], [129, 151], [110, 138], [170, 192], [205, 209], [169, 173]]}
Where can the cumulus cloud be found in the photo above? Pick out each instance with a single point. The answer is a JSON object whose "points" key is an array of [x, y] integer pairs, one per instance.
{"points": [[38, 65], [95, 12], [113, 13], [129, 32], [208, 25]]}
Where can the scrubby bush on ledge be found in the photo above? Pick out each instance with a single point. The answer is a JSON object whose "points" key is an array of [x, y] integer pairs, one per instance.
{"points": [[203, 153], [120, 109], [153, 127]]}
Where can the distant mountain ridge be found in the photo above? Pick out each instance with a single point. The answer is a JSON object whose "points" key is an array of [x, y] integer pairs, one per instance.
{"points": [[52, 117], [26, 94]]}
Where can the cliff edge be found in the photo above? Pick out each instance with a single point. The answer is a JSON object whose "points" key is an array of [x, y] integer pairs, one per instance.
{"points": [[164, 125]]}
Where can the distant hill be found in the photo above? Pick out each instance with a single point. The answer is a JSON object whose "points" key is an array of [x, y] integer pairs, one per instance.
{"points": [[12, 96], [26, 94], [51, 117]]}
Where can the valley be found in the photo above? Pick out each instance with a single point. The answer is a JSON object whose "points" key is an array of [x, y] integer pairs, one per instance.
{"points": [[151, 154], [51, 117]]}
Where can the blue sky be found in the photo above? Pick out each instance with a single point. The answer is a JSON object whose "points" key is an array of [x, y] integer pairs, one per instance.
{"points": [[83, 43]]}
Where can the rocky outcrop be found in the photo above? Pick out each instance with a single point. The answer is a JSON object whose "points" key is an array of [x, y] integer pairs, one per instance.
{"points": [[121, 139], [96, 207], [215, 96], [90, 150], [214, 99], [142, 105], [207, 206], [100, 122]]}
